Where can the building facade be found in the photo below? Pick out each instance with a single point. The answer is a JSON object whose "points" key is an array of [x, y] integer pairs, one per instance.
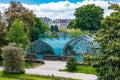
{"points": [[61, 23]]}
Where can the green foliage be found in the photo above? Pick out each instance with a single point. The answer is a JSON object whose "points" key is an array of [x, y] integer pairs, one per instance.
{"points": [[16, 33], [53, 35], [75, 32], [34, 65], [41, 26], [31, 77], [13, 60], [91, 59], [71, 25], [17, 10], [114, 7], [83, 69], [88, 17], [107, 62], [54, 28], [71, 64], [63, 31], [3, 41], [34, 34], [2, 32]]}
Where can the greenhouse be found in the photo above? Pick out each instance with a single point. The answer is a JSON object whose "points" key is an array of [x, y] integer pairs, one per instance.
{"points": [[47, 47], [63, 47], [79, 46]]}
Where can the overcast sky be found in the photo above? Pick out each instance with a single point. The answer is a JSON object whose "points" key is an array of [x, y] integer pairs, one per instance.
{"points": [[58, 8]]}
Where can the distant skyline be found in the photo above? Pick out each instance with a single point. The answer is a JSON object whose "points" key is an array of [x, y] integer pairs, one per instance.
{"points": [[58, 8]]}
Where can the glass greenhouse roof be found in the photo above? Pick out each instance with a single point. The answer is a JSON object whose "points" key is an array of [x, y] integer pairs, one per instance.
{"points": [[80, 45], [56, 43], [64, 46]]}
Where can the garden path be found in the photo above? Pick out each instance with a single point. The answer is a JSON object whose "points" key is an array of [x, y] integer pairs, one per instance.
{"points": [[52, 68]]}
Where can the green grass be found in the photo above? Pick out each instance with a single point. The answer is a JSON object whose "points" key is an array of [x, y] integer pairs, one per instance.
{"points": [[29, 77], [2, 78], [21, 77], [27, 65], [83, 69]]}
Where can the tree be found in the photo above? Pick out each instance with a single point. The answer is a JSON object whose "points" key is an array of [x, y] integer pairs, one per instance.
{"points": [[13, 60], [54, 35], [71, 24], [88, 17], [16, 33], [17, 10], [34, 34], [107, 62], [2, 32], [41, 26], [52, 28], [71, 64], [56, 28], [39, 29], [3, 41]]}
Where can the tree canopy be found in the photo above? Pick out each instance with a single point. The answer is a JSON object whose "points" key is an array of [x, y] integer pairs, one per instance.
{"points": [[54, 28], [3, 33], [107, 62], [71, 25], [17, 10], [39, 29], [40, 25], [16, 33], [88, 17], [3, 41]]}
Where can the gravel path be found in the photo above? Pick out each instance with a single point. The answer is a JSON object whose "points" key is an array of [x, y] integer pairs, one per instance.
{"points": [[52, 68]]}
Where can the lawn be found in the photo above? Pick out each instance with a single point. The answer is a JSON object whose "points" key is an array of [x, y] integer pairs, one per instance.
{"points": [[29, 77], [27, 65], [20, 76], [83, 69], [2, 78]]}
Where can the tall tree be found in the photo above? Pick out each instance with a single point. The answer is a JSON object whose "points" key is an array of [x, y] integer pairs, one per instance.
{"points": [[2, 32], [17, 10], [34, 34], [71, 25], [3, 41], [16, 33], [88, 17], [52, 28], [40, 25], [107, 62], [56, 28], [39, 29]]}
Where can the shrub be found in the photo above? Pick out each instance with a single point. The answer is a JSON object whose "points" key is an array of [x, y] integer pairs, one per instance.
{"points": [[13, 60], [71, 64]]}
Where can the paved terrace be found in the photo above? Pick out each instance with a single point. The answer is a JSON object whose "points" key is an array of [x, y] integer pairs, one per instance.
{"points": [[53, 67]]}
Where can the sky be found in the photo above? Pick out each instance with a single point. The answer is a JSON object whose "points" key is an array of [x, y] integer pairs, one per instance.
{"points": [[55, 9]]}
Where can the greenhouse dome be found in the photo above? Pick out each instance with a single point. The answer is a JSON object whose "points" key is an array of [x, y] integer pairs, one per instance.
{"points": [[47, 47], [79, 46], [63, 47]]}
